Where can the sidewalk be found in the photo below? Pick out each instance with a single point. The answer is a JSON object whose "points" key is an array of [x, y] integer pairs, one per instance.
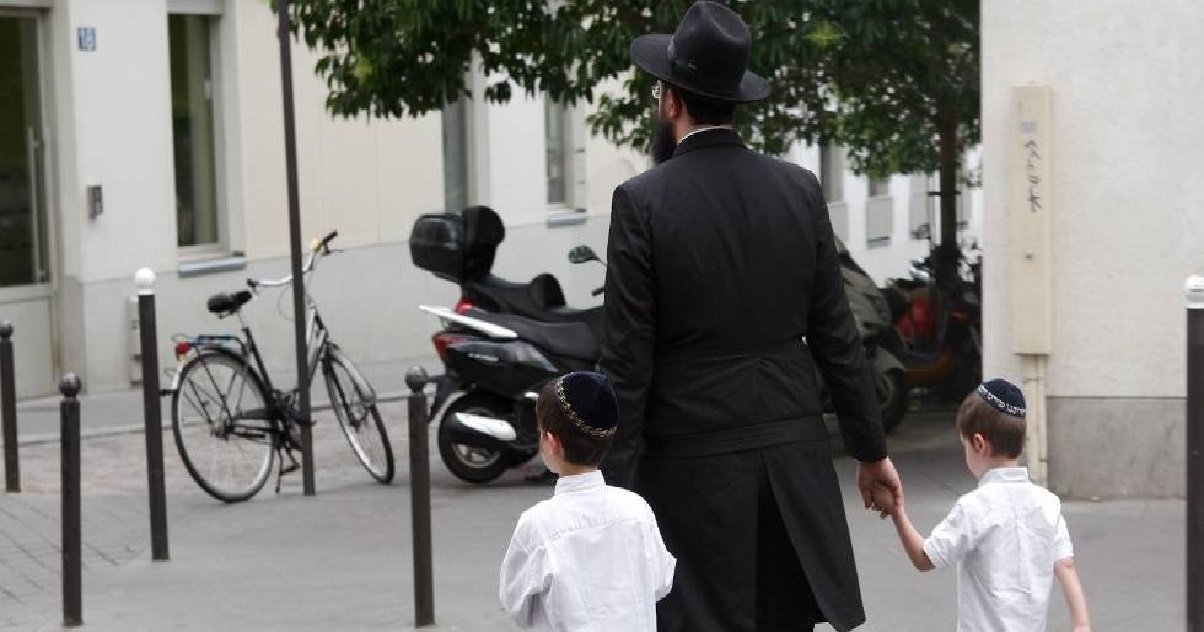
{"points": [[118, 412], [341, 560]]}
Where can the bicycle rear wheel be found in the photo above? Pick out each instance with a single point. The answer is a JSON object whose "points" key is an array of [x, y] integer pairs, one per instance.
{"points": [[222, 427], [354, 404]]}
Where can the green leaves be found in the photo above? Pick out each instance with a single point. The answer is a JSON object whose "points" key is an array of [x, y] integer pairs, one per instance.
{"points": [[874, 75]]}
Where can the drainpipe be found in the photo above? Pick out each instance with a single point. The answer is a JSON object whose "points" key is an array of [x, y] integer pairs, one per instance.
{"points": [[1037, 441]]}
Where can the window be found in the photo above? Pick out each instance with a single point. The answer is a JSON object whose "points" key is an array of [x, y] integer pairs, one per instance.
{"points": [[559, 152], [193, 133], [831, 172], [921, 206], [455, 155], [879, 187]]}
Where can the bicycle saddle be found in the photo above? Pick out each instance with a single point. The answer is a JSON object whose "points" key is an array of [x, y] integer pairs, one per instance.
{"points": [[227, 304]]}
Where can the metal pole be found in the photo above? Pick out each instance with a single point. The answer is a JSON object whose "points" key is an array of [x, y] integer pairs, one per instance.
{"points": [[1194, 289], [284, 33], [8, 410], [145, 279], [420, 499], [69, 440]]}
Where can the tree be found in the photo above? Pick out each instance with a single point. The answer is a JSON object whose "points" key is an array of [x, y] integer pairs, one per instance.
{"points": [[894, 81]]}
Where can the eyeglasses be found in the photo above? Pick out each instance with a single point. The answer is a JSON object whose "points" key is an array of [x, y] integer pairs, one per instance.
{"points": [[656, 91]]}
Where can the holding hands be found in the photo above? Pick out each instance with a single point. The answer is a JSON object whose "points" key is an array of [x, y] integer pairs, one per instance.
{"points": [[881, 489]]}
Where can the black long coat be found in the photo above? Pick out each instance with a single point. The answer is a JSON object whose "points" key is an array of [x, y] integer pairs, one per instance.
{"points": [[722, 261]]}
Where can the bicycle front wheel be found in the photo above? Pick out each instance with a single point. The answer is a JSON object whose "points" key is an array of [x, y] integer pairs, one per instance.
{"points": [[222, 425], [354, 404]]}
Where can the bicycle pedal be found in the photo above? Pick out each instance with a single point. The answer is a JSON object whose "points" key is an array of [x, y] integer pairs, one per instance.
{"points": [[289, 469]]}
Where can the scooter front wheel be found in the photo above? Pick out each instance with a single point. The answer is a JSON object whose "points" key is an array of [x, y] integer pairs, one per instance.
{"points": [[472, 464], [892, 397]]}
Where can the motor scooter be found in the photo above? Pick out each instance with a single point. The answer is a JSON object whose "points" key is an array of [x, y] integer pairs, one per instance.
{"points": [[872, 315], [499, 345], [937, 327]]}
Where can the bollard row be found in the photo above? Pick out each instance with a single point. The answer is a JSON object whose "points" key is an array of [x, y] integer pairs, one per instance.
{"points": [[8, 410], [69, 442], [420, 498], [153, 429]]}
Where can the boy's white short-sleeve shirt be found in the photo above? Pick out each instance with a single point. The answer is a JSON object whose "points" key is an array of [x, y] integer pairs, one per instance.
{"points": [[1004, 538], [589, 559]]}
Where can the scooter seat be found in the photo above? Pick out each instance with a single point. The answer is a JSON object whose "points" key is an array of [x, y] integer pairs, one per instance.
{"points": [[570, 339], [590, 317], [529, 299]]}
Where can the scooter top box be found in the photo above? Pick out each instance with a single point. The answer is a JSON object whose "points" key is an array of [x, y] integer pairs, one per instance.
{"points": [[457, 246]]}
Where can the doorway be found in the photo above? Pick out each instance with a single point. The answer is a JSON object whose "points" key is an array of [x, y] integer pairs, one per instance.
{"points": [[26, 275]]}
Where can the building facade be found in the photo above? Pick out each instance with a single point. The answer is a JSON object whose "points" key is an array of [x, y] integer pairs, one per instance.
{"points": [[1094, 217], [148, 133]]}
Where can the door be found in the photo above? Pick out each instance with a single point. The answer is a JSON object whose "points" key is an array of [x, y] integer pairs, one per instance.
{"points": [[26, 279]]}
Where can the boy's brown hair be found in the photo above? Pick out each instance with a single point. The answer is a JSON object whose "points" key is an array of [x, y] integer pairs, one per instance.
{"points": [[579, 448], [1004, 432]]}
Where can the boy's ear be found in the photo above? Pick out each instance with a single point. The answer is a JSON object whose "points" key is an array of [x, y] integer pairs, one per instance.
{"points": [[980, 444], [554, 443]]}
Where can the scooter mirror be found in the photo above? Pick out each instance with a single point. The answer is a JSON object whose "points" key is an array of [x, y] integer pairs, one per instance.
{"points": [[582, 254]]}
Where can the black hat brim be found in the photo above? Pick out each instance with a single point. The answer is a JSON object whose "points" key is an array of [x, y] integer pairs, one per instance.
{"points": [[651, 53]]}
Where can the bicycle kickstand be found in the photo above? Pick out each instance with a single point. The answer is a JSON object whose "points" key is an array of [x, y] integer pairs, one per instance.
{"points": [[293, 466]]}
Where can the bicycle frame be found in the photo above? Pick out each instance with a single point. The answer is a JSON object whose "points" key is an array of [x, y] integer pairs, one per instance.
{"points": [[317, 344], [317, 341]]}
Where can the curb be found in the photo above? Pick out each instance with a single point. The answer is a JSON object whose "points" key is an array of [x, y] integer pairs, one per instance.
{"points": [[44, 438]]}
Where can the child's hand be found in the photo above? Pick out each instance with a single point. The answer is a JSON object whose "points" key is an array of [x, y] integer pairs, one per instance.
{"points": [[1082, 628], [883, 501]]}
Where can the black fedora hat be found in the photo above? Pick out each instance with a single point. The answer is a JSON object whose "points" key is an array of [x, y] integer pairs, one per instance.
{"points": [[707, 55]]}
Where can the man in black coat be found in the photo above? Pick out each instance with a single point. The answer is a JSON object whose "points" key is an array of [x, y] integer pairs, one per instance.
{"points": [[723, 296]]}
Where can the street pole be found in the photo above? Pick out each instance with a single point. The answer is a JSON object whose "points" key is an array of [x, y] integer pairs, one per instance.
{"points": [[73, 615], [153, 415], [420, 499], [8, 410], [284, 33], [1194, 289]]}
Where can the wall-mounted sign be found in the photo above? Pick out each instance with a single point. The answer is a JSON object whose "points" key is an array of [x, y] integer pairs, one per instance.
{"points": [[1031, 207], [87, 38]]}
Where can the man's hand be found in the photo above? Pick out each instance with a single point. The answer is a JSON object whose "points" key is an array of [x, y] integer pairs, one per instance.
{"points": [[880, 486]]}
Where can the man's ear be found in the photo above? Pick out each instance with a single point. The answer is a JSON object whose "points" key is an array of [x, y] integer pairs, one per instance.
{"points": [[979, 443], [673, 105]]}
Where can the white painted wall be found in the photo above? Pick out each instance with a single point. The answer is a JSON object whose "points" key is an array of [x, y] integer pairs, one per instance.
{"points": [[369, 179], [1128, 202], [885, 261], [111, 124]]}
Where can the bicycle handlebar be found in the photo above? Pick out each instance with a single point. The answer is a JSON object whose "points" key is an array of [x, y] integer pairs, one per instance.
{"points": [[321, 247], [327, 239]]}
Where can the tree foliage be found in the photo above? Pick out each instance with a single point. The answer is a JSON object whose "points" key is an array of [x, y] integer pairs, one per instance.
{"points": [[887, 79]]}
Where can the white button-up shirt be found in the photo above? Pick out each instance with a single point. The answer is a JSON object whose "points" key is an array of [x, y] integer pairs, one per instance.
{"points": [[589, 559], [1004, 538]]}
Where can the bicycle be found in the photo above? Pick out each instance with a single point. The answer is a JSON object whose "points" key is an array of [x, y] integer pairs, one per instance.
{"points": [[231, 424]]}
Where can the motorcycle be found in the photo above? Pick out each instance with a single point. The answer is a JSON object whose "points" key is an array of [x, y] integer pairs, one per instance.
{"points": [[873, 317], [937, 326], [499, 345], [503, 341]]}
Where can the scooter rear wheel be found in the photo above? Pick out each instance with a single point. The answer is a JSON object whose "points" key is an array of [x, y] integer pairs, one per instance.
{"points": [[470, 463]]}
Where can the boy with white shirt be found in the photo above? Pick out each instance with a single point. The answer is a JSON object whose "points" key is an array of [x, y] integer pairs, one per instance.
{"points": [[591, 558], [1007, 538]]}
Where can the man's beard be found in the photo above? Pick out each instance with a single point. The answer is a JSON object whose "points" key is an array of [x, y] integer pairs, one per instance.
{"points": [[663, 143]]}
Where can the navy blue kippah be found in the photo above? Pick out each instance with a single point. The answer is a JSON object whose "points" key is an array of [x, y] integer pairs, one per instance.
{"points": [[589, 402], [1004, 397]]}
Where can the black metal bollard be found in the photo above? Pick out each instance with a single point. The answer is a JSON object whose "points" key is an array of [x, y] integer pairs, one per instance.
{"points": [[1194, 290], [8, 410], [145, 279], [420, 499], [69, 439]]}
